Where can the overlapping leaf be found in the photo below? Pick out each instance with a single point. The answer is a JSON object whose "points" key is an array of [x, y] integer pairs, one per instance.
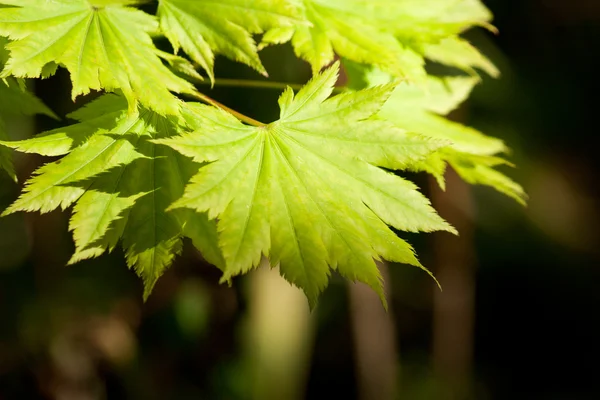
{"points": [[204, 28], [311, 191], [306, 190], [394, 35], [456, 52], [14, 99], [104, 44], [121, 185], [472, 154]]}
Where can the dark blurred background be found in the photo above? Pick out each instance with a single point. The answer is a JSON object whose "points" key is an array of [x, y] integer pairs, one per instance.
{"points": [[517, 318]]}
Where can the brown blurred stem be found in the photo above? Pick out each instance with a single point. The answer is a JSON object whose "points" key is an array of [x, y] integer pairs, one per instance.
{"points": [[374, 342], [279, 335], [453, 308]]}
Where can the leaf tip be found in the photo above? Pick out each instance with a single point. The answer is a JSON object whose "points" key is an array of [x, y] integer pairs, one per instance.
{"points": [[384, 303], [437, 283], [176, 205], [10, 210], [148, 287], [313, 301], [451, 229], [226, 279]]}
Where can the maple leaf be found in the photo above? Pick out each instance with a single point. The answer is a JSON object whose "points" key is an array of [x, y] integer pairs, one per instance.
{"points": [[121, 185], [15, 99], [457, 52], [472, 154], [429, 19], [306, 190], [394, 35], [104, 44], [205, 27]]}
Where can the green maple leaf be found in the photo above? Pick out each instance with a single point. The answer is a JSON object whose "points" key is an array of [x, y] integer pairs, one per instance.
{"points": [[205, 27], [394, 35], [15, 100], [104, 44], [472, 154], [457, 52], [432, 28], [429, 20], [306, 190], [121, 185]]}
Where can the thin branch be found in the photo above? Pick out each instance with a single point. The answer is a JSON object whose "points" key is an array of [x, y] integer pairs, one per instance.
{"points": [[246, 83], [256, 84], [208, 100]]}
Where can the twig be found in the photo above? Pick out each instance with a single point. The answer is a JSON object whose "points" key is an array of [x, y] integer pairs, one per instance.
{"points": [[208, 100]]}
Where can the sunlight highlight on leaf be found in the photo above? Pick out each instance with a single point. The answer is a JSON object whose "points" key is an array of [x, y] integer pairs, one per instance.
{"points": [[104, 48], [121, 185], [305, 190]]}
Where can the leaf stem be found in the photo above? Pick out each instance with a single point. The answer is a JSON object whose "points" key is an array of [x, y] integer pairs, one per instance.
{"points": [[209, 100], [251, 83]]}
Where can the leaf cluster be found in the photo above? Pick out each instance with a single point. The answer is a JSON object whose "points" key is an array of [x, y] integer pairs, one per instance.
{"points": [[313, 191]]}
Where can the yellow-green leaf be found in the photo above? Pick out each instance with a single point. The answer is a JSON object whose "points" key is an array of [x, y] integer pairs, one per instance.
{"points": [[104, 45], [204, 28], [306, 190]]}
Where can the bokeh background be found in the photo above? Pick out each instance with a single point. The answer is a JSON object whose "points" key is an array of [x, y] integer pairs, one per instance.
{"points": [[518, 317]]}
